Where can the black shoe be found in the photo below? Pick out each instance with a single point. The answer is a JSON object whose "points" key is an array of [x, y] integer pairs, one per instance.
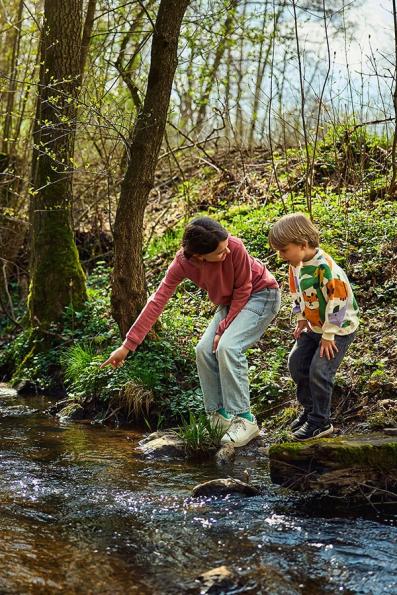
{"points": [[299, 421], [311, 430]]}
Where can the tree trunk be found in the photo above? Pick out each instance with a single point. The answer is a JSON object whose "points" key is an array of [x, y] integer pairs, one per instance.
{"points": [[212, 74], [393, 183], [12, 230], [7, 131], [87, 30], [128, 291], [239, 121], [57, 279]]}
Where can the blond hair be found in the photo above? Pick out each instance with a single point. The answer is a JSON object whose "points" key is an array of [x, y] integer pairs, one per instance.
{"points": [[295, 228]]}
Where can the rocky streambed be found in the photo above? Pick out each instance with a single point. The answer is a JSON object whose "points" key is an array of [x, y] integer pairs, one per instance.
{"points": [[84, 511]]}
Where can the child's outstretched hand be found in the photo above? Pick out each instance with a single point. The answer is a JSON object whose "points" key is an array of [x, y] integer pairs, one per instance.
{"points": [[301, 325], [328, 348], [116, 358]]}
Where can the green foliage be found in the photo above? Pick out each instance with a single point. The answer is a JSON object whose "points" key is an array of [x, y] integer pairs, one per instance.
{"points": [[349, 151], [93, 324], [75, 360], [167, 244], [277, 426], [198, 436], [265, 373], [358, 231], [41, 368], [15, 351]]}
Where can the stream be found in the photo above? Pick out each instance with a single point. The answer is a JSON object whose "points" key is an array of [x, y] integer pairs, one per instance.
{"points": [[81, 512]]}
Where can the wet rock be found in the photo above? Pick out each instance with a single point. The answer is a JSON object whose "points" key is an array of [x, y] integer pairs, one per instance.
{"points": [[264, 451], [216, 580], [6, 391], [225, 455], [353, 466], [270, 579], [164, 446], [26, 387], [251, 449], [222, 487], [154, 436]]}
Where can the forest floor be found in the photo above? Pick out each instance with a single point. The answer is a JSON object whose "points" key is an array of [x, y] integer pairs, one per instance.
{"points": [[158, 385]]}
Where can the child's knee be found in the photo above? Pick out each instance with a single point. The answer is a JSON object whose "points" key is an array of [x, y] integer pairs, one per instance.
{"points": [[227, 351], [202, 350], [320, 374]]}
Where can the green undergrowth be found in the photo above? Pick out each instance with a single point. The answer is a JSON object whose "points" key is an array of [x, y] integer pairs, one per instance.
{"points": [[198, 435], [359, 232]]}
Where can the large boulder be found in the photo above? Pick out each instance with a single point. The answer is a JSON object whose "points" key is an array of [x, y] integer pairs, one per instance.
{"points": [[162, 445], [343, 466], [223, 487]]}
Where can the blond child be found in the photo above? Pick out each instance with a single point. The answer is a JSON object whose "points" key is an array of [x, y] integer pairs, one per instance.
{"points": [[327, 319]]}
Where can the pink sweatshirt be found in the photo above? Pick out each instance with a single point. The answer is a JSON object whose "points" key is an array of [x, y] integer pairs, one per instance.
{"points": [[228, 283]]}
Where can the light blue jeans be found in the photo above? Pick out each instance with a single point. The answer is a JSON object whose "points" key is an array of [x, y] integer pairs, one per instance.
{"points": [[224, 374]]}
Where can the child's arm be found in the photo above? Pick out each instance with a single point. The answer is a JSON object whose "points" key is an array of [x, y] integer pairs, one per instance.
{"points": [[150, 313], [242, 286], [301, 324], [335, 292]]}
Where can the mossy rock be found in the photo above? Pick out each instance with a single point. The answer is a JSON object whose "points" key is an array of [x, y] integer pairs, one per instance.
{"points": [[343, 466]]}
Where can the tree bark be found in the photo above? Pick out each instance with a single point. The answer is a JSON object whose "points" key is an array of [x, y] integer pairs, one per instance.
{"points": [[128, 287], [12, 230], [87, 30], [7, 130], [57, 279], [212, 74], [393, 184]]}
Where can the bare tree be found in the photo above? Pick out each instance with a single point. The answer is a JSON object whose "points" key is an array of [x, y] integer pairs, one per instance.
{"points": [[392, 188], [128, 290], [213, 71]]}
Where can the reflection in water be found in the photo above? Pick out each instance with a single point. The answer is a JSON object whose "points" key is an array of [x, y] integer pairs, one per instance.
{"points": [[82, 514]]}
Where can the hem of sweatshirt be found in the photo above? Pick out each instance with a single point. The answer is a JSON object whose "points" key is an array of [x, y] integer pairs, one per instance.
{"points": [[262, 286], [331, 336], [130, 344]]}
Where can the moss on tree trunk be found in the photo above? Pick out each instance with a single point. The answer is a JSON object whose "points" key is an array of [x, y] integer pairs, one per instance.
{"points": [[57, 278]]}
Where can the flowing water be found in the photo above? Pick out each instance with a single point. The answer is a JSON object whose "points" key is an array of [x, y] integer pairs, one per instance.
{"points": [[82, 513]]}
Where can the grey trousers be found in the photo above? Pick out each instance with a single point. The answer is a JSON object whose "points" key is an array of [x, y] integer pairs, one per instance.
{"points": [[313, 375]]}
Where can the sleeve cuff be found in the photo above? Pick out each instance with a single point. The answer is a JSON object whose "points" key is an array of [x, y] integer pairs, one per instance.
{"points": [[130, 344], [328, 336], [220, 330]]}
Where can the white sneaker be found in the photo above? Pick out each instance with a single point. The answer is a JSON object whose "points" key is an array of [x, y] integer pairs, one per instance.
{"points": [[218, 421], [241, 432]]}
